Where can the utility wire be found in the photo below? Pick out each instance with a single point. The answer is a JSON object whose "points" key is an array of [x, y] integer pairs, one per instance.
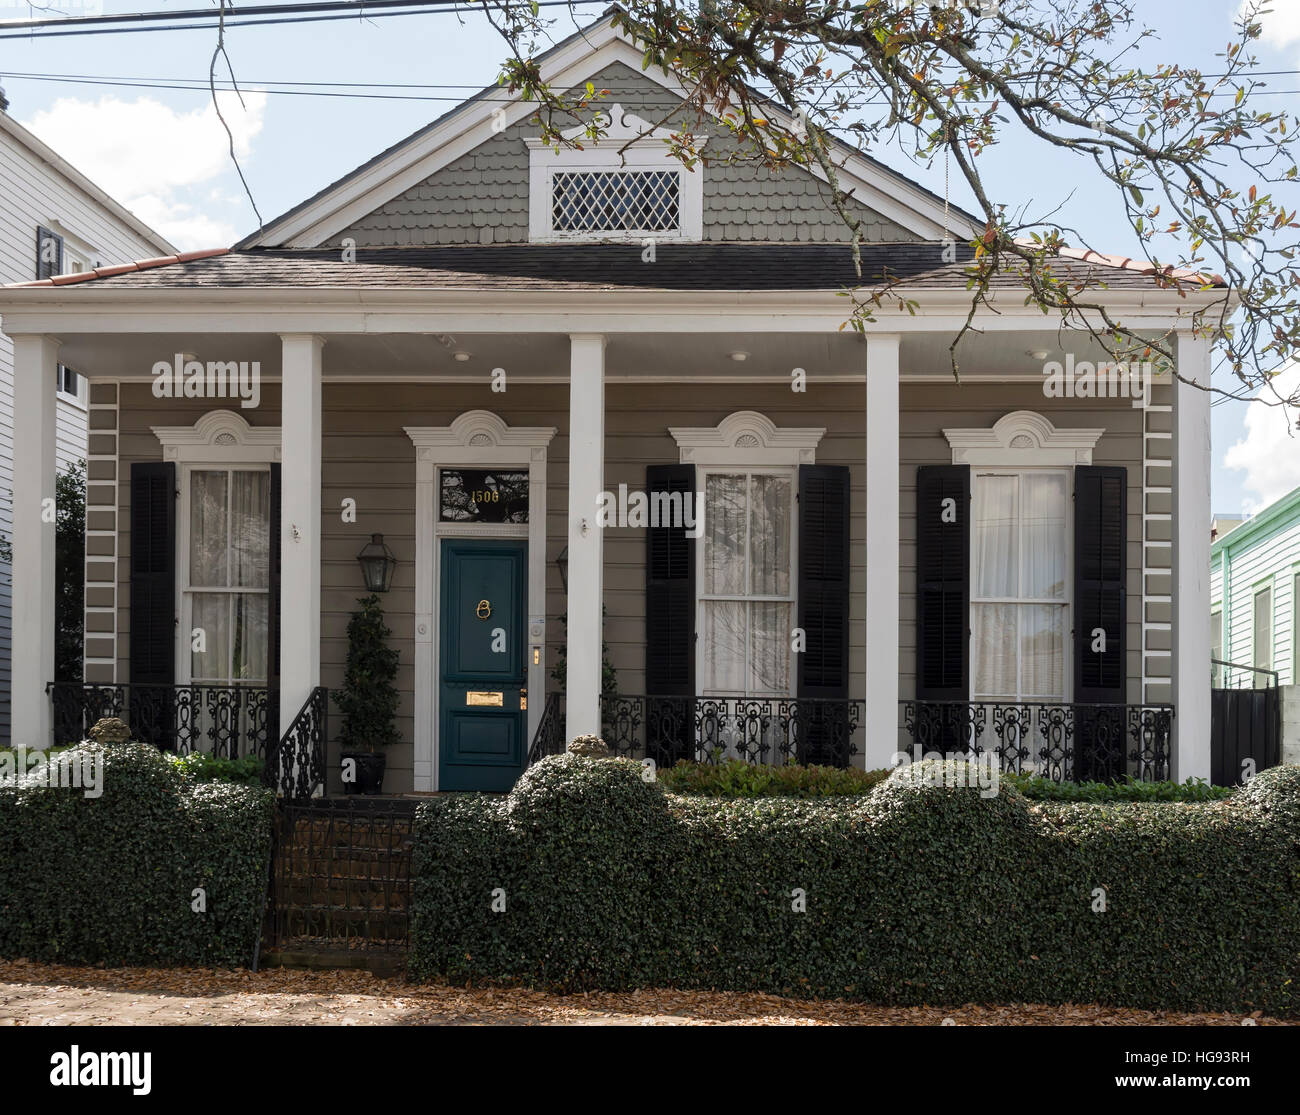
{"points": [[53, 28]]}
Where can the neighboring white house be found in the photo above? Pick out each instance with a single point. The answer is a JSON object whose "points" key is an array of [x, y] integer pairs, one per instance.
{"points": [[46, 203]]}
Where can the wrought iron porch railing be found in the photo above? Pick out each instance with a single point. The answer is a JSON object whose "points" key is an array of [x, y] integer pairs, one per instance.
{"points": [[229, 721], [549, 738], [1064, 742], [296, 769], [710, 729]]}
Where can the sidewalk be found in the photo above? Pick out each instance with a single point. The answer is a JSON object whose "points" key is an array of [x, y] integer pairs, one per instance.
{"points": [[48, 995]]}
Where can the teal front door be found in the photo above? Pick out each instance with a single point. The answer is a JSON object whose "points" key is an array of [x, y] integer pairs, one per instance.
{"points": [[482, 722]]}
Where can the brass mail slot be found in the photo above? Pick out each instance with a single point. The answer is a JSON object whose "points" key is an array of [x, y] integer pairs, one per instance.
{"points": [[482, 700]]}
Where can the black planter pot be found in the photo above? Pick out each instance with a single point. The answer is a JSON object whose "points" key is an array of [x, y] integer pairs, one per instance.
{"points": [[370, 772]]}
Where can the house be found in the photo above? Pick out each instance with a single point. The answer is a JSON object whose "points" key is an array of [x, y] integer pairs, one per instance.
{"points": [[526, 369], [1254, 597], [54, 221]]}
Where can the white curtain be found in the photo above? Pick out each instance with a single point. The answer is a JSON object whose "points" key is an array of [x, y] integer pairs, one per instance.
{"points": [[230, 513], [1018, 647], [745, 644]]}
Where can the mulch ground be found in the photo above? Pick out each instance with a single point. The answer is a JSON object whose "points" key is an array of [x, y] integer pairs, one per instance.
{"points": [[55, 995]]}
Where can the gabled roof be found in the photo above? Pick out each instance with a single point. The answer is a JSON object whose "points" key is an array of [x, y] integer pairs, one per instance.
{"points": [[566, 65], [61, 166]]}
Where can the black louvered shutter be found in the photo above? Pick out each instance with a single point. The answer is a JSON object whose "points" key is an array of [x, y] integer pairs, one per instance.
{"points": [[153, 600], [670, 623], [823, 667], [824, 580], [1100, 558], [943, 582], [1100, 547], [273, 605], [49, 253]]}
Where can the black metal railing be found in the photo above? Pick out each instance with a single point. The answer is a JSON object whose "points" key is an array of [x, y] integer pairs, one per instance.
{"points": [[341, 876], [1234, 675], [1063, 742], [710, 729], [229, 721], [549, 737], [296, 768]]}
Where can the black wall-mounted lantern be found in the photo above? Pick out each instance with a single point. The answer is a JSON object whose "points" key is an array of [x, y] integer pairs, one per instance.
{"points": [[562, 563], [377, 563]]}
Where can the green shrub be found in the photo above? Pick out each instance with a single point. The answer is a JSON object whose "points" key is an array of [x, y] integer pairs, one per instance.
{"points": [[920, 892], [112, 879], [1044, 789], [213, 768], [736, 779]]}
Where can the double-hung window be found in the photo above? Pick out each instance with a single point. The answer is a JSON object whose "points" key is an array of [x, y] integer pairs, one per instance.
{"points": [[1020, 596], [747, 583], [226, 576]]}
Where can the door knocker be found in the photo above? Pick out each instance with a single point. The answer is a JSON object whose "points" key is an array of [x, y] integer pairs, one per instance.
{"points": [[483, 610]]}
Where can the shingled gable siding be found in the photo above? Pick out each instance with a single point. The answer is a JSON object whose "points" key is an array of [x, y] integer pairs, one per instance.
{"points": [[482, 197], [367, 457]]}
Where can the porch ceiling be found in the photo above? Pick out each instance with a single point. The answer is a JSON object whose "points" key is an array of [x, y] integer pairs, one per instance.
{"points": [[545, 356]]}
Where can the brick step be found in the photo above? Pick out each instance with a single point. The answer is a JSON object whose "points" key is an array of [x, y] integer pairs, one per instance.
{"points": [[342, 869], [306, 954], [335, 898]]}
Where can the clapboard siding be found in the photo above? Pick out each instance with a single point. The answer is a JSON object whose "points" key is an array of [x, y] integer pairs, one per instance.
{"points": [[367, 457], [32, 193]]}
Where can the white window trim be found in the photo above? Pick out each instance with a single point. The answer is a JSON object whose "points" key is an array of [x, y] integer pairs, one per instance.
{"points": [[220, 439], [477, 438], [747, 439], [1067, 655], [628, 143], [1022, 439], [1260, 587]]}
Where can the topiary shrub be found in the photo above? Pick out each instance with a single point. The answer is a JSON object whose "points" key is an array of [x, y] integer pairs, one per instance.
{"points": [[160, 868], [924, 891]]}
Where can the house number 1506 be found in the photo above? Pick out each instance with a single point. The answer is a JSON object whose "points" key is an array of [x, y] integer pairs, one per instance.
{"points": [[485, 496]]}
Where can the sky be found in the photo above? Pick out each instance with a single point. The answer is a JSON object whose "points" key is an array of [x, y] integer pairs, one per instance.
{"points": [[164, 154]]}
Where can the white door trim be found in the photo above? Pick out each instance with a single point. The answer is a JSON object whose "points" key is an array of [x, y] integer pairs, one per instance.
{"points": [[476, 439]]}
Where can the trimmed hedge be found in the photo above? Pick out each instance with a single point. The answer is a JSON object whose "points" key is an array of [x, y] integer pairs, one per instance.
{"points": [[1046, 789], [111, 879], [918, 893], [215, 768], [736, 779]]}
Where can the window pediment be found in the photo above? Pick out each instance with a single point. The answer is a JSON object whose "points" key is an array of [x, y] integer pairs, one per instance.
{"points": [[1022, 438], [747, 437], [220, 435]]}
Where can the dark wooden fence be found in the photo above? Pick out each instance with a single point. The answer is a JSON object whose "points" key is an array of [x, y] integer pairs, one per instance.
{"points": [[1245, 722]]}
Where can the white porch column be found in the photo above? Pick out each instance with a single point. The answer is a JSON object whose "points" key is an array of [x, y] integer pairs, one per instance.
{"points": [[880, 715], [586, 543], [300, 430], [35, 361], [1191, 560]]}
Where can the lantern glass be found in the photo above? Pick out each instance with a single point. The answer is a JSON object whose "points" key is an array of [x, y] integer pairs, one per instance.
{"points": [[377, 563]]}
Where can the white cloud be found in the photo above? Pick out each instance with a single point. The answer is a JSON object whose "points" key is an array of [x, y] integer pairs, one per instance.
{"points": [[1280, 27], [155, 160], [1269, 454]]}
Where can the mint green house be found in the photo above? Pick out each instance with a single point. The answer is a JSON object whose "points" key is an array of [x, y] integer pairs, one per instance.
{"points": [[1255, 596]]}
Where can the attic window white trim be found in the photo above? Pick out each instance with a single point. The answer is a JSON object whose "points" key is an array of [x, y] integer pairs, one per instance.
{"points": [[628, 144]]}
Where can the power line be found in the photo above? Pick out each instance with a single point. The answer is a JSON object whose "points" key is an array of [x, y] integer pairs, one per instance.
{"points": [[325, 13], [344, 89]]}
